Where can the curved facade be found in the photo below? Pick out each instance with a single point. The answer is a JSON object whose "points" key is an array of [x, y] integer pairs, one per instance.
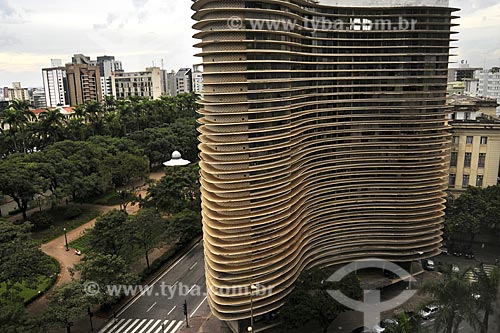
{"points": [[318, 146]]}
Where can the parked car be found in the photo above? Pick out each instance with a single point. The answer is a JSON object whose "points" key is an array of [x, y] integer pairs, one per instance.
{"points": [[389, 322], [469, 254], [444, 250], [428, 312], [428, 264], [455, 268], [456, 251]]}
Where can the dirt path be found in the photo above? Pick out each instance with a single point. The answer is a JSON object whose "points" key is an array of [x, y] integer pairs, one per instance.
{"points": [[68, 259]]}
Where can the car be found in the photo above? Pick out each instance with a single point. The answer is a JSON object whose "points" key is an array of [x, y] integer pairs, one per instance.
{"points": [[360, 330], [455, 268], [476, 296], [444, 250], [469, 254], [456, 251], [428, 264], [389, 322], [428, 311]]}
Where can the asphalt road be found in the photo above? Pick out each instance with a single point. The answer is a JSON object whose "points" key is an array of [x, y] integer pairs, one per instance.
{"points": [[162, 301]]}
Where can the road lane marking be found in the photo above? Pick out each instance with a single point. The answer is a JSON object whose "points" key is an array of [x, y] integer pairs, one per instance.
{"points": [[140, 325], [168, 314], [157, 279], [191, 288], [163, 324], [153, 327], [147, 324], [198, 307], [116, 326], [151, 307], [176, 283], [131, 325], [179, 324], [194, 265]]}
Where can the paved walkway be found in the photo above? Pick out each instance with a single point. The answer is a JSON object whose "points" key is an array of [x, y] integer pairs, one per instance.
{"points": [[68, 259]]}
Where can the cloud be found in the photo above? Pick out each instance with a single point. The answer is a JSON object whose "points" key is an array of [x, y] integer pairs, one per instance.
{"points": [[6, 10], [139, 3]]}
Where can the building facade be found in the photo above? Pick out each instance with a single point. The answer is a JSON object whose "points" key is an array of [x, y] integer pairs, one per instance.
{"points": [[17, 92], [55, 85], [84, 82], [184, 81], [107, 66], [489, 83], [462, 72], [38, 98], [168, 83], [147, 83], [318, 146], [198, 81], [475, 152]]}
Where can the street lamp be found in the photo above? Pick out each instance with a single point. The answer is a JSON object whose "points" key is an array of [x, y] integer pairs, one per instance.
{"points": [[252, 288], [176, 160], [66, 239]]}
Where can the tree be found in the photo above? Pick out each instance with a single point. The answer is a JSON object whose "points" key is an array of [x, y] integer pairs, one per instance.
{"points": [[184, 226], [17, 116], [310, 300], [486, 292], [148, 230], [21, 261], [177, 190], [112, 235], [51, 125], [19, 179], [453, 294], [407, 324], [106, 271], [66, 304]]}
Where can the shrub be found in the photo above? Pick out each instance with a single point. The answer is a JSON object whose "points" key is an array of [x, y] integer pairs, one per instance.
{"points": [[72, 212], [40, 221]]}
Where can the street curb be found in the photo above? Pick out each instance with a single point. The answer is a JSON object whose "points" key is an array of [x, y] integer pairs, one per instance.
{"points": [[126, 301]]}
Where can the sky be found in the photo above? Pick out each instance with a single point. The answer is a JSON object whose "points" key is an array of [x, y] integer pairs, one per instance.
{"points": [[140, 32]]}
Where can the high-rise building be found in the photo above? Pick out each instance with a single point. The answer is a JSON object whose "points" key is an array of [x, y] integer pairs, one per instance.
{"points": [[147, 83], [184, 81], [84, 81], [17, 93], [38, 98], [168, 86], [107, 66], [55, 85], [318, 146], [198, 81], [489, 83], [462, 72]]}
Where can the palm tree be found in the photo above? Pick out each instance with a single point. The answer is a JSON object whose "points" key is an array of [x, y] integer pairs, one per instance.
{"points": [[51, 124], [453, 294], [407, 324], [485, 292], [16, 117]]}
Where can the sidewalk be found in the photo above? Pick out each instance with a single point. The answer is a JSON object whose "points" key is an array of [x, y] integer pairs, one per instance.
{"points": [[67, 259]]}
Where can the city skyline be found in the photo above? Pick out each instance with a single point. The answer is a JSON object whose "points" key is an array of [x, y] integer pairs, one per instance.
{"points": [[140, 32]]}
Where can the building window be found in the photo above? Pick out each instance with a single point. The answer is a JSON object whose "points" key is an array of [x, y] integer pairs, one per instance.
{"points": [[479, 181], [484, 140], [455, 140], [470, 140], [465, 181], [454, 159], [482, 160], [468, 160], [453, 180]]}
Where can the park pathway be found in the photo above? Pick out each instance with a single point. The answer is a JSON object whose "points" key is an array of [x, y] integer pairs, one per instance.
{"points": [[56, 248]]}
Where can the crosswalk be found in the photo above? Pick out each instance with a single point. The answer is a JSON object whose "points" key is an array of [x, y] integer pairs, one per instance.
{"points": [[473, 274], [142, 326]]}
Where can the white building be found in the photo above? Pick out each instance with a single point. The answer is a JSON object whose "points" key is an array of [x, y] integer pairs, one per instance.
{"points": [[55, 85], [107, 66], [17, 93], [198, 81], [142, 84], [489, 83], [168, 85], [184, 80]]}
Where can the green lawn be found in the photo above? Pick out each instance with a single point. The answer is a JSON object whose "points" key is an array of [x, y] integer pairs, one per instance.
{"points": [[59, 223], [82, 243], [110, 199], [29, 293]]}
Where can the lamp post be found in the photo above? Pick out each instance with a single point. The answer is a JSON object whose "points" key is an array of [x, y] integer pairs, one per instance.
{"points": [[91, 314], [66, 239], [252, 288]]}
